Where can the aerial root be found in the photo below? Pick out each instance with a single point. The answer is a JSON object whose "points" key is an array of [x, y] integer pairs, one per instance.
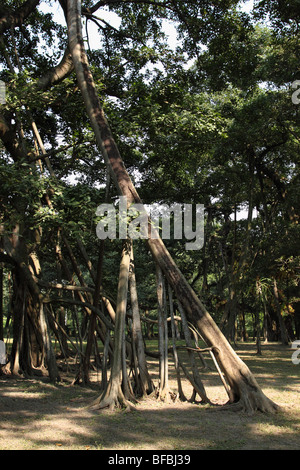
{"points": [[112, 400]]}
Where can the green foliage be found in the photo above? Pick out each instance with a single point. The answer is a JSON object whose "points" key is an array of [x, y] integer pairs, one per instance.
{"points": [[209, 121]]}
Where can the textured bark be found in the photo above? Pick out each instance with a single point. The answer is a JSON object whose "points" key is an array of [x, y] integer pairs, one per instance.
{"points": [[113, 394], [32, 340], [143, 376], [163, 391], [175, 353], [93, 318], [197, 383], [11, 18], [56, 74]]}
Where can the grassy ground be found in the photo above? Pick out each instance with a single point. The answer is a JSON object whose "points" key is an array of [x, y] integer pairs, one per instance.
{"points": [[37, 415]]}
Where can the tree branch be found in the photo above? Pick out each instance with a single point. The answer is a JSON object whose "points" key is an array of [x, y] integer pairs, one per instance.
{"points": [[98, 312], [103, 3], [13, 18], [58, 73], [10, 141]]}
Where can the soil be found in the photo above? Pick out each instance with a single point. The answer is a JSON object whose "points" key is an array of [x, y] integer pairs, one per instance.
{"points": [[37, 415]]}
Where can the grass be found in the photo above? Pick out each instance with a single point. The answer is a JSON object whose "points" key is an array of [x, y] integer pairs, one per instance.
{"points": [[37, 415]]}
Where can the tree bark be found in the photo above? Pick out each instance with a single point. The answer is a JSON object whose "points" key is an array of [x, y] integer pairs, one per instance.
{"points": [[31, 333], [197, 383], [175, 352], [163, 390], [283, 332], [12, 18], [113, 394], [144, 378], [93, 318]]}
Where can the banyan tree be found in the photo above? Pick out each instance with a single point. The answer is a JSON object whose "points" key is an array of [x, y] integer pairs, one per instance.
{"points": [[38, 301]]}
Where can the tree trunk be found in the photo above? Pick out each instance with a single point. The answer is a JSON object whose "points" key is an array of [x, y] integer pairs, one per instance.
{"points": [[163, 390], [113, 394], [31, 333], [175, 353], [61, 311], [50, 357], [137, 336], [244, 388], [18, 360], [93, 317], [197, 383], [283, 332]]}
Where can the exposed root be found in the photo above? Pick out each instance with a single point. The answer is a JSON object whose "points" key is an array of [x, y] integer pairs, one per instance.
{"points": [[5, 370], [112, 404], [112, 399], [251, 404], [202, 401]]}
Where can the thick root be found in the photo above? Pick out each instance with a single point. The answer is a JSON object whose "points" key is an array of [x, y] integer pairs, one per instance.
{"points": [[112, 400], [251, 403]]}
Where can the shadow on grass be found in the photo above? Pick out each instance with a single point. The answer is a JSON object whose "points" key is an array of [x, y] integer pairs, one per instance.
{"points": [[37, 415]]}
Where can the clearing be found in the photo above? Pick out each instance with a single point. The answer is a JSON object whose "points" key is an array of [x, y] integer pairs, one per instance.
{"points": [[36, 415]]}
